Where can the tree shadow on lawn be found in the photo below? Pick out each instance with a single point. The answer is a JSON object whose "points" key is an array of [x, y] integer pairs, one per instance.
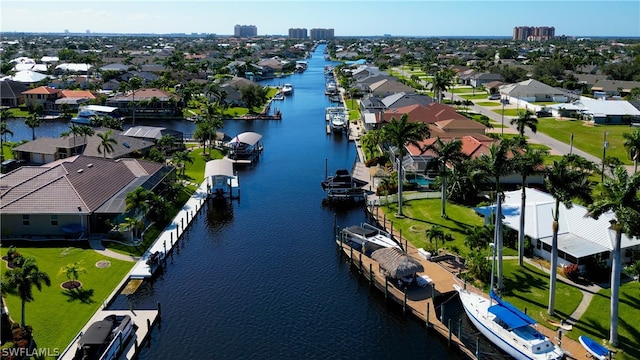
{"points": [[461, 229], [82, 295]]}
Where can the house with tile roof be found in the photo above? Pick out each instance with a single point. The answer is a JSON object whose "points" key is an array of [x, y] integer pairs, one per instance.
{"points": [[47, 149], [42, 95], [73, 197], [533, 90], [387, 87], [149, 102]]}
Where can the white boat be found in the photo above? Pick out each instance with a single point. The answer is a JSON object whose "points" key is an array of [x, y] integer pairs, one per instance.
{"points": [[287, 89], [338, 122], [330, 88], [105, 339], [503, 324], [596, 350], [368, 236]]}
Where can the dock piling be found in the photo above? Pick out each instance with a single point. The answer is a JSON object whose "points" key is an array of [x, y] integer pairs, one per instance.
{"points": [[386, 287], [460, 328], [478, 348], [442, 313], [370, 274], [449, 326], [428, 311], [404, 304]]}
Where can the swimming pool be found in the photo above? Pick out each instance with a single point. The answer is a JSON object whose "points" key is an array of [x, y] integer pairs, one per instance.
{"points": [[419, 179]]}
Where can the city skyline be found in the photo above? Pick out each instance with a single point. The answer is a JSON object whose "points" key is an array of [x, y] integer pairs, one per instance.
{"points": [[350, 18]]}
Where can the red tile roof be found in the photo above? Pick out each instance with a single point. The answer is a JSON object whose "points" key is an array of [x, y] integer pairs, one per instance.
{"points": [[42, 90], [77, 94]]}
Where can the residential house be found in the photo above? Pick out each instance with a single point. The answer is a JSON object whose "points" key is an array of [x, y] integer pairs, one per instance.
{"points": [[599, 111], [532, 91], [155, 133], [149, 102], [387, 87], [478, 80], [581, 239], [41, 96], [11, 93], [614, 87], [74, 197], [74, 98], [47, 149]]}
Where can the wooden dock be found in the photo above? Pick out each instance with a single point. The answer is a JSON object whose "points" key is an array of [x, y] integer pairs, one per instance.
{"points": [[444, 275]]}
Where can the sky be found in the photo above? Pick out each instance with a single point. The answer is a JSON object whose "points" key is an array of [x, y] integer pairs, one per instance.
{"points": [[347, 18]]}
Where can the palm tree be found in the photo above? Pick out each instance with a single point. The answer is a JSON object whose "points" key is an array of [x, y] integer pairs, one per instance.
{"points": [[75, 131], [166, 143], [134, 84], [21, 280], [181, 158], [451, 151], [33, 121], [526, 162], [620, 196], [632, 144], [4, 131], [138, 200], [566, 180], [398, 133], [434, 233], [72, 271], [524, 120], [211, 122], [494, 165], [134, 224], [86, 131], [106, 143], [441, 81]]}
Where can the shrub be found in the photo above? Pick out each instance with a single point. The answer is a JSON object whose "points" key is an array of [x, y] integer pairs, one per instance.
{"points": [[571, 272]]}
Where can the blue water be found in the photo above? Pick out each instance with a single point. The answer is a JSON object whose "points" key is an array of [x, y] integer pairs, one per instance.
{"points": [[261, 278]]}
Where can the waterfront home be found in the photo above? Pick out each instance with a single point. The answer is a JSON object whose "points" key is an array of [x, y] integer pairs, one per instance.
{"points": [[73, 197], [45, 150], [581, 238], [41, 96], [149, 102], [11, 93]]}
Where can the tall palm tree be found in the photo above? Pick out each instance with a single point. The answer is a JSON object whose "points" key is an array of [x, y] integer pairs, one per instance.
{"points": [[134, 224], [449, 152], [527, 161], [441, 81], [134, 84], [620, 196], [33, 121], [398, 133], [495, 164], [525, 120], [566, 180], [181, 158], [21, 280], [632, 144], [86, 131], [4, 131], [210, 122], [106, 143], [74, 130]]}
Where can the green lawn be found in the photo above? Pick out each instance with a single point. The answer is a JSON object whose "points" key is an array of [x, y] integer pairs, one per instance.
{"points": [[588, 138], [508, 112], [488, 103], [477, 96], [595, 322], [528, 288], [464, 90], [421, 215], [55, 314]]}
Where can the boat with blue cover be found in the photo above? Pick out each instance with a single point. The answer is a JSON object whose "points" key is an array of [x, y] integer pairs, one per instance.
{"points": [[596, 350]]}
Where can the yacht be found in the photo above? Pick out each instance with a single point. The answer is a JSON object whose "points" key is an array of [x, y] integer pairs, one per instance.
{"points": [[342, 184], [287, 89], [368, 236], [507, 327]]}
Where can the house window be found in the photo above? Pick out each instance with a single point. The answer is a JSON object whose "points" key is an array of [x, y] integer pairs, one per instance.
{"points": [[546, 247], [54, 220], [25, 220]]}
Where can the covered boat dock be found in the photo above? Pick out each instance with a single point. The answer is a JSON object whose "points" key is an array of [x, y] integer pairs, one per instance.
{"points": [[220, 178], [245, 147]]}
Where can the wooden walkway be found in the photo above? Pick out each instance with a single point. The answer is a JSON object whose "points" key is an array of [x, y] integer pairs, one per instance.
{"points": [[444, 276]]}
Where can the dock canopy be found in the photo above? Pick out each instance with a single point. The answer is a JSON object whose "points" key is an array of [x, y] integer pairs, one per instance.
{"points": [[219, 167], [249, 138], [396, 263]]}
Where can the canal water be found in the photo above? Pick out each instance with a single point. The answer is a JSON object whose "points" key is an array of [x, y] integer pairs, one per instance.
{"points": [[261, 277]]}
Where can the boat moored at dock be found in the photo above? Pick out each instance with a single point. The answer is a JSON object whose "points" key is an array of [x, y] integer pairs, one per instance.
{"points": [[368, 237], [343, 185], [105, 339], [287, 89]]}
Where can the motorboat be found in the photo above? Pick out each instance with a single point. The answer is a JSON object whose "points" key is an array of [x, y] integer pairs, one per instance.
{"points": [[335, 110], [369, 237], [342, 180], [338, 122], [596, 350], [287, 89], [330, 88], [507, 327], [279, 96], [105, 339]]}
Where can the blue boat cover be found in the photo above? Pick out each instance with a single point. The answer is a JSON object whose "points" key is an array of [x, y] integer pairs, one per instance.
{"points": [[511, 316], [593, 346]]}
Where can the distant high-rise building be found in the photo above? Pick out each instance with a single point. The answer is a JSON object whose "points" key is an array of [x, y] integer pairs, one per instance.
{"points": [[297, 33], [321, 34], [533, 33], [245, 31]]}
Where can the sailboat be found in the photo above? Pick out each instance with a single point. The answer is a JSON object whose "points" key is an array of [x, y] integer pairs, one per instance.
{"points": [[504, 325]]}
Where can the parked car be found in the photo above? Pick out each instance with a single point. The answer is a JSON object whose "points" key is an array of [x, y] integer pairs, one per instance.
{"points": [[543, 113], [494, 97]]}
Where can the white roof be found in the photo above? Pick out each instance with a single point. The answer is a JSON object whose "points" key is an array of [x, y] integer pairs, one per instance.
{"points": [[600, 107], [50, 59], [579, 235], [369, 118], [529, 87], [74, 67], [219, 167], [23, 60], [28, 76], [249, 138]]}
